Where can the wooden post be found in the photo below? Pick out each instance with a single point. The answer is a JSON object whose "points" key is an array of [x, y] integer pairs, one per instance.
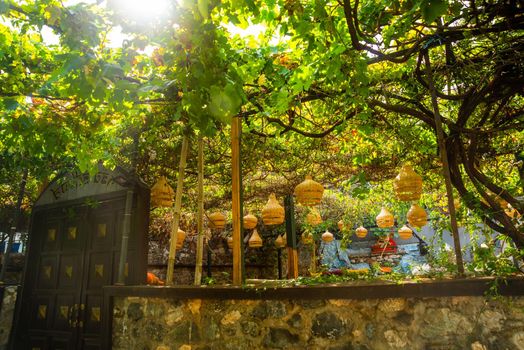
{"points": [[236, 132], [291, 238], [445, 165], [126, 229], [200, 219], [176, 212]]}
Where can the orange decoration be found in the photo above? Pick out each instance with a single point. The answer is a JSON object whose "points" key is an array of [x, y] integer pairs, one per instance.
{"points": [[162, 194], [255, 241], [217, 220], [361, 232], [250, 221], [408, 184], [385, 219], [309, 192], [417, 216], [327, 236], [272, 213], [405, 232]]}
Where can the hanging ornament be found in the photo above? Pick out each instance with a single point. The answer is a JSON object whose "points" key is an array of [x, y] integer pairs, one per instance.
{"points": [[309, 192], [162, 194], [405, 232], [255, 241], [272, 213], [307, 238], [361, 232], [230, 242], [313, 217], [340, 225], [417, 216], [327, 236], [180, 237], [385, 219], [217, 220], [408, 184], [279, 242], [250, 221]]}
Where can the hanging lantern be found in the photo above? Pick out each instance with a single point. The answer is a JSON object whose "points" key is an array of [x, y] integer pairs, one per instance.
{"points": [[250, 221], [272, 213], [327, 236], [180, 237], [309, 192], [408, 184], [385, 219], [361, 232], [417, 216], [255, 241], [279, 242], [307, 238], [217, 220], [230, 242], [340, 225], [405, 232], [161, 193], [313, 217]]}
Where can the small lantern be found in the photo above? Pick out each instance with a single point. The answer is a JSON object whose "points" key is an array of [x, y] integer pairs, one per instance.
{"points": [[217, 220], [230, 242], [385, 219], [255, 241], [307, 238], [327, 236], [279, 242], [272, 213], [408, 184], [340, 225], [313, 217], [405, 232], [180, 237], [250, 221], [417, 216], [361, 232], [309, 192], [162, 194]]}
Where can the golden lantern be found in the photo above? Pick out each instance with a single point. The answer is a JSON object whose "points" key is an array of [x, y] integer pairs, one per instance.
{"points": [[340, 225], [361, 232], [385, 219], [217, 220], [327, 236], [272, 213], [161, 193], [307, 238], [230, 242], [180, 237], [279, 242], [309, 192], [417, 216], [250, 221], [405, 232], [408, 184], [255, 241], [313, 217]]}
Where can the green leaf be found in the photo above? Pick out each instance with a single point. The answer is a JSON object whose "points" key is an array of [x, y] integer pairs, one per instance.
{"points": [[432, 9], [11, 104], [203, 8], [4, 6]]}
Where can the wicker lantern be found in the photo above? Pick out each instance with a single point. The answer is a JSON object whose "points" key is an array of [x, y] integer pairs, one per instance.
{"points": [[327, 236], [340, 225], [405, 232], [307, 238], [180, 237], [408, 184], [217, 220], [385, 219], [361, 232], [255, 241], [309, 192], [272, 213], [417, 216], [230, 242], [279, 242], [161, 193], [313, 217], [250, 221]]}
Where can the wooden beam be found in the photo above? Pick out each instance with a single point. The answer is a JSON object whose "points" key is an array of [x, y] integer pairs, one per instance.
{"points": [[236, 132], [176, 212]]}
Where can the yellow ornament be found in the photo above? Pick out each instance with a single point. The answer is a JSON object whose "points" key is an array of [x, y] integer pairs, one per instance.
{"points": [[217, 220], [255, 241], [361, 232], [313, 217], [417, 216], [161, 193], [250, 221], [405, 232], [340, 225], [309, 192], [230, 242], [180, 237], [272, 213], [327, 236], [385, 219], [408, 184], [279, 242]]}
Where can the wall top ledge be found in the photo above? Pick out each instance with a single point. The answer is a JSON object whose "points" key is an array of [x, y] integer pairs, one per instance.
{"points": [[513, 286]]}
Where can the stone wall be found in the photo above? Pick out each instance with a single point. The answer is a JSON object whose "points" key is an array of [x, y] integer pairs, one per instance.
{"points": [[473, 323], [7, 309]]}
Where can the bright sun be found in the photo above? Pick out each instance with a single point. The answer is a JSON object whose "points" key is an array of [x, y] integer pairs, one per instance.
{"points": [[141, 10]]}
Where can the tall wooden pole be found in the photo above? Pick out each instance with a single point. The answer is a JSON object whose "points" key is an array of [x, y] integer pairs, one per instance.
{"points": [[200, 219], [176, 212], [445, 164], [126, 230], [291, 238], [236, 132]]}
